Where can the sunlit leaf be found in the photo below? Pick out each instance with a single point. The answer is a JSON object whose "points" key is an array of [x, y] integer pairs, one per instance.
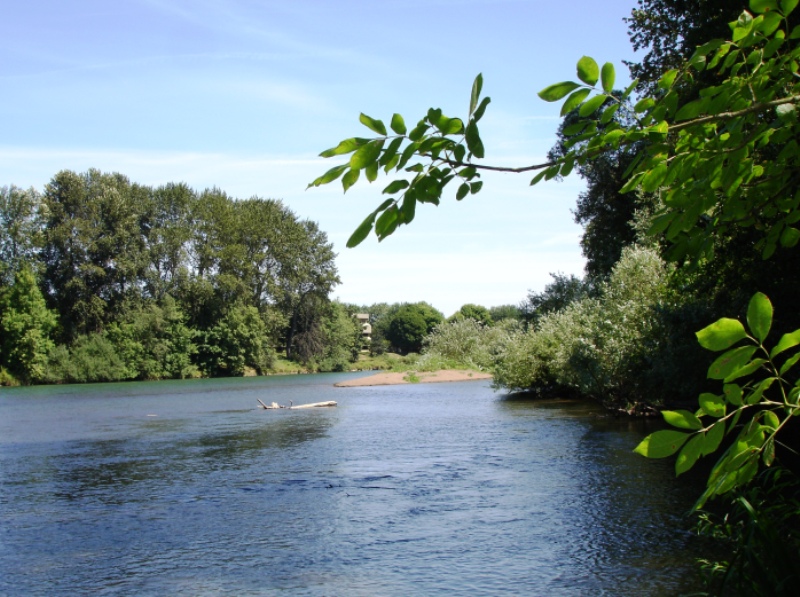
{"points": [[759, 316], [345, 146], [398, 124], [730, 361], [372, 124], [762, 6], [557, 91], [661, 443], [329, 176], [589, 107], [713, 438], [588, 71], [361, 232], [689, 454], [712, 404], [608, 77], [477, 85], [574, 100], [366, 154], [349, 179], [682, 419], [722, 334]]}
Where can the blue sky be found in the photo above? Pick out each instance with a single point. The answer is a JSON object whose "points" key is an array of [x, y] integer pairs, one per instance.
{"points": [[243, 95]]}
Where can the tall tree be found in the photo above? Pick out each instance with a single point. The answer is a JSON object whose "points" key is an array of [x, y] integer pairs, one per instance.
{"points": [[94, 250], [20, 230]]}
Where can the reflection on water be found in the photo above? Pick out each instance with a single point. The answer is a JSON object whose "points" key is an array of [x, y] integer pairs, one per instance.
{"points": [[417, 489]]}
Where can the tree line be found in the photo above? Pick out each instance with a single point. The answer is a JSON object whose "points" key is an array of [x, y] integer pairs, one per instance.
{"points": [[104, 279]]}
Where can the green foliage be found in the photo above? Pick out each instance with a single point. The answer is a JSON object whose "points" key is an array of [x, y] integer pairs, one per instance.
{"points": [[410, 324], [26, 328], [468, 342], [91, 358], [759, 397], [556, 296], [474, 312], [594, 346]]}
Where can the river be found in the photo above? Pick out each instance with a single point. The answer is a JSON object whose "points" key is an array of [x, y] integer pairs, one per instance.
{"points": [[186, 488]]}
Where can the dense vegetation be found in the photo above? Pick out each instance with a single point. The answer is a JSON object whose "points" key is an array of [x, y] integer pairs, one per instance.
{"points": [[102, 279]]}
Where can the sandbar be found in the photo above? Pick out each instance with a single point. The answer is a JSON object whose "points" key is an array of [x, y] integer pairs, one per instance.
{"points": [[390, 378]]}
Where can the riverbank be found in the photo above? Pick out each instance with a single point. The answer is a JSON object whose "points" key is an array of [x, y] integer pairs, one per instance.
{"points": [[391, 378]]}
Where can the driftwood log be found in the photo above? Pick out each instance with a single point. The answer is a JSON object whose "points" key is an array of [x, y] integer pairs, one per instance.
{"points": [[292, 407]]}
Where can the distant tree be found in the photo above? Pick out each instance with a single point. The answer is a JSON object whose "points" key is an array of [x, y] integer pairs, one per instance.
{"points": [[94, 249], [26, 327], [556, 296], [474, 312], [410, 324], [20, 230], [502, 312]]}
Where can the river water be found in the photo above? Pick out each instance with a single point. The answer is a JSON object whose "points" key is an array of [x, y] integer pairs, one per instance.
{"points": [[185, 488]]}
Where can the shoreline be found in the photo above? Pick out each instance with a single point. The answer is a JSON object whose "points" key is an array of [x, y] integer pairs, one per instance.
{"points": [[391, 378]]}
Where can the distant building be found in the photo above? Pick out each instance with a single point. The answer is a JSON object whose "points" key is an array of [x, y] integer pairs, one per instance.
{"points": [[366, 327]]}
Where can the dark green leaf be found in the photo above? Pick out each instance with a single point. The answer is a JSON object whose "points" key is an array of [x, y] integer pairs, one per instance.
{"points": [[474, 143], [475, 187], [588, 71], [478, 114], [730, 361], [477, 86], [759, 316], [394, 186], [653, 178], [714, 438], [682, 419], [390, 152], [387, 222], [329, 176], [372, 124], [661, 443], [462, 191], [722, 334], [689, 454], [349, 179], [408, 209], [398, 124], [733, 393], [790, 362], [361, 232], [555, 92], [787, 6], [746, 370]]}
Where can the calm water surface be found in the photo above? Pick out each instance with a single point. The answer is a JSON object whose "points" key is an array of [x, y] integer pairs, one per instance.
{"points": [[185, 488]]}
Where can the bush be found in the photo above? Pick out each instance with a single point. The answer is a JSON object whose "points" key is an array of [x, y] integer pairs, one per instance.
{"points": [[469, 343]]}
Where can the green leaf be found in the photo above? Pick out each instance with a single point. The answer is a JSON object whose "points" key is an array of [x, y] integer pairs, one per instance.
{"points": [[408, 209], [478, 114], [477, 85], [372, 124], [349, 179], [730, 361], [682, 419], [574, 100], [661, 443], [759, 316], [762, 6], [712, 404], [790, 362], [689, 454], [653, 178], [589, 107], [398, 124], [361, 232], [394, 186], [329, 176], [475, 187], [733, 393], [721, 335], [450, 126], [608, 76], [789, 237], [474, 143], [786, 342], [371, 171], [714, 438], [748, 369], [462, 191], [691, 110], [555, 92], [667, 79], [787, 6], [366, 154], [387, 222], [588, 71], [345, 146]]}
